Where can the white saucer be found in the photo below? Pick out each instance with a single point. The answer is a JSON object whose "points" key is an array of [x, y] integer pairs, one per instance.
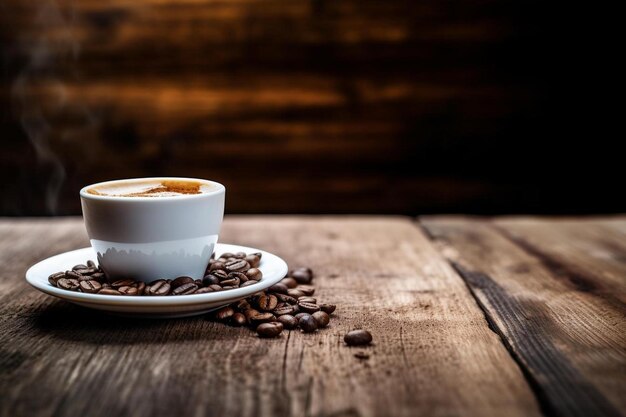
{"points": [[273, 268]]}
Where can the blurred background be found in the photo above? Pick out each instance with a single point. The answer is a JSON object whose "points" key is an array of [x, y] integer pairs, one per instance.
{"points": [[306, 106]]}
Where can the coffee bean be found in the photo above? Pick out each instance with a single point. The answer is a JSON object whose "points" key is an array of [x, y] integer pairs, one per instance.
{"points": [[306, 289], [267, 302], [228, 287], [122, 283], [70, 284], [272, 329], [86, 271], [289, 282], [220, 275], [308, 307], [224, 260], [237, 265], [215, 287], [238, 320], [224, 313], [257, 254], [127, 290], [254, 273], [215, 266], [141, 287], [79, 266], [159, 287], [210, 280], [248, 283], [358, 338], [307, 299], [227, 255], [289, 309], [98, 276], [185, 289], [240, 255], [91, 264], [203, 290], [249, 313], [262, 318], [106, 285], [90, 287], [109, 291], [253, 260], [302, 275], [279, 288], [300, 315], [73, 275], [307, 323], [181, 281], [328, 308], [322, 319], [243, 305], [289, 322], [286, 299], [295, 293], [230, 282], [52, 279], [239, 275]]}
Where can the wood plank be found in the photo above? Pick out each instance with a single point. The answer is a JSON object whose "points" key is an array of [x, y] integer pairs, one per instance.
{"points": [[570, 341], [433, 354]]}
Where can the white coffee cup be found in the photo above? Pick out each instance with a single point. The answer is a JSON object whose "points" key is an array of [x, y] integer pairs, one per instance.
{"points": [[148, 238]]}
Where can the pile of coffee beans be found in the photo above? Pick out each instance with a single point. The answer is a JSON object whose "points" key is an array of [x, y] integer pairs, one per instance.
{"points": [[230, 270], [287, 305]]}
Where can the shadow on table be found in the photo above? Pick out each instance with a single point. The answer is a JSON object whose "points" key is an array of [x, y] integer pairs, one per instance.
{"points": [[70, 322]]}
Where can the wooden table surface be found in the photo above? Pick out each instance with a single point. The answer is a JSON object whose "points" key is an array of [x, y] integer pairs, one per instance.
{"points": [[470, 317]]}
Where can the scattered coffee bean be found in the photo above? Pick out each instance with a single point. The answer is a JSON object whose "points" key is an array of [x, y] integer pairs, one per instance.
{"points": [[230, 282], [308, 307], [203, 290], [122, 283], [289, 309], [70, 284], [239, 275], [253, 260], [307, 299], [306, 289], [217, 266], [141, 287], [267, 302], [159, 287], [127, 290], [262, 318], [322, 319], [181, 281], [225, 313], [73, 275], [307, 323], [185, 289], [289, 282], [249, 282], [86, 271], [90, 287], [302, 275], [295, 293], [272, 329], [79, 266], [278, 288], [238, 320], [98, 276], [249, 313], [328, 308], [215, 287], [109, 291], [210, 280], [254, 273], [227, 255], [220, 275], [289, 322], [300, 315], [240, 255], [358, 338], [52, 279], [237, 265]]}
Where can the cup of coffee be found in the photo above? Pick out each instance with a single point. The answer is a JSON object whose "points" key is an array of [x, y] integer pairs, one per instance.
{"points": [[151, 228]]}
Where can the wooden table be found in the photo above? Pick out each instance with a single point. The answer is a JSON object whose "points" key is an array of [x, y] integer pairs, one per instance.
{"points": [[470, 317]]}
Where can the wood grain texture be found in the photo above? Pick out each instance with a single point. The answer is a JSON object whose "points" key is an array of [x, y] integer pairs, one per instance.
{"points": [[301, 106], [434, 353], [544, 286]]}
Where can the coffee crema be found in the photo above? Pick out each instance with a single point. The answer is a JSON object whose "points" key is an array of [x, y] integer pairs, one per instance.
{"points": [[150, 188]]}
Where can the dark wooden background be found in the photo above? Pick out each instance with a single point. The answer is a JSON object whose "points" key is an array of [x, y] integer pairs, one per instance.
{"points": [[302, 106]]}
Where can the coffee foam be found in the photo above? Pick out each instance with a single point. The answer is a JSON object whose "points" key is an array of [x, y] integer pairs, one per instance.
{"points": [[151, 188]]}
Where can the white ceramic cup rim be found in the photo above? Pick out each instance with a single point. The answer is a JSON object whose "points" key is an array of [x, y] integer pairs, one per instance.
{"points": [[219, 188]]}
